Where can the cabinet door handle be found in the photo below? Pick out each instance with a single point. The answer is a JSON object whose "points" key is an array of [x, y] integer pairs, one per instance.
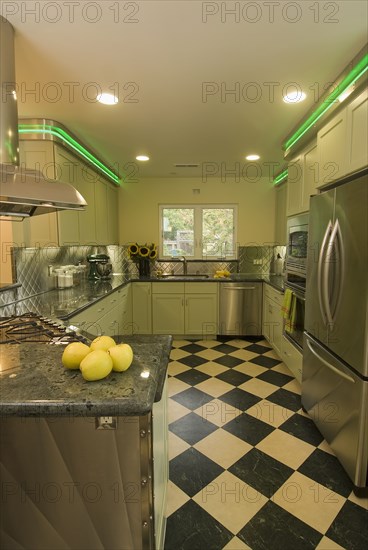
{"points": [[269, 308]]}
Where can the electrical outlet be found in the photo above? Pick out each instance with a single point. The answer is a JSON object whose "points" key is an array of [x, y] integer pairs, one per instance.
{"points": [[106, 423]]}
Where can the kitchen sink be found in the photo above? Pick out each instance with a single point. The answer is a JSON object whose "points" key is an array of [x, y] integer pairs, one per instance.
{"points": [[187, 276]]}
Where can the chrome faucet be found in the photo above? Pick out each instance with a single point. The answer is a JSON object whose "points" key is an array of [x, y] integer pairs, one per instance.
{"points": [[184, 260]]}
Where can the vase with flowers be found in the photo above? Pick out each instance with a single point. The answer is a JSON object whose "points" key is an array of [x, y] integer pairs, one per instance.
{"points": [[143, 255]]}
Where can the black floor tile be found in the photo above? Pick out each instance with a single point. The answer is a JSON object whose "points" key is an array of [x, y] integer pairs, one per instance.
{"points": [[191, 471], [193, 348], [286, 399], [262, 472], [302, 427], [263, 361], [248, 428], [327, 470], [258, 348], [192, 528], [274, 528], [192, 361], [192, 398], [225, 348], [228, 361], [272, 376], [240, 399], [192, 428], [233, 377], [192, 377], [350, 527]]}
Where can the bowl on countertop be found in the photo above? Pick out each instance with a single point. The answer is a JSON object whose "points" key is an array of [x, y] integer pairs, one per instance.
{"points": [[104, 270]]}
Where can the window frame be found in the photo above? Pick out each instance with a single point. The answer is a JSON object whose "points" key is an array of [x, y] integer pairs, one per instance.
{"points": [[198, 228]]}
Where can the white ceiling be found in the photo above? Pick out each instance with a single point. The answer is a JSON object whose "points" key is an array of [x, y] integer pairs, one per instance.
{"points": [[167, 55]]}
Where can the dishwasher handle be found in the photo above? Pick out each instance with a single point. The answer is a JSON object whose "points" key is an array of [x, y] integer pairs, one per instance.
{"points": [[239, 288]]}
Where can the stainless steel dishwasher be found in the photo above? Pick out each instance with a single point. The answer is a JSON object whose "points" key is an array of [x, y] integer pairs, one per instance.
{"points": [[240, 309]]}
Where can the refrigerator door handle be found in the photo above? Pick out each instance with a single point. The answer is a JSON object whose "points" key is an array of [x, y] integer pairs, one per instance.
{"points": [[340, 269], [328, 365], [320, 273], [335, 255]]}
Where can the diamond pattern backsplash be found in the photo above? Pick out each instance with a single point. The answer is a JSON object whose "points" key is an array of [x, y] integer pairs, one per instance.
{"points": [[32, 264]]}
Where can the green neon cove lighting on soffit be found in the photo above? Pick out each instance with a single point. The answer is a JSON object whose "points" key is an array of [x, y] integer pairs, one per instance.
{"points": [[281, 177], [359, 69], [61, 134]]}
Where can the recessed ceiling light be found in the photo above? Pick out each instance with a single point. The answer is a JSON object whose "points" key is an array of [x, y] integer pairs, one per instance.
{"points": [[252, 157], [294, 97], [142, 157], [107, 99]]}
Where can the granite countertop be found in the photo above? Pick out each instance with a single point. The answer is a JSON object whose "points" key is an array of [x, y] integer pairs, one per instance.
{"points": [[66, 302], [33, 381], [4, 287]]}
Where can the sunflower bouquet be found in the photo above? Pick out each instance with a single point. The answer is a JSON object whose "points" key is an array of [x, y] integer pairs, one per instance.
{"points": [[137, 251]]}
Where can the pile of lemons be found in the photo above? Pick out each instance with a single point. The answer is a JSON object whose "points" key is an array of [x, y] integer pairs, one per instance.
{"points": [[99, 359], [221, 273]]}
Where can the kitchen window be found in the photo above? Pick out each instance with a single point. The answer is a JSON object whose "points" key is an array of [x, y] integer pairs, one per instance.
{"points": [[198, 231]]}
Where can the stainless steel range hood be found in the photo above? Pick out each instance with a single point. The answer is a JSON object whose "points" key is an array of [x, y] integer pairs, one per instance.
{"points": [[23, 193]]}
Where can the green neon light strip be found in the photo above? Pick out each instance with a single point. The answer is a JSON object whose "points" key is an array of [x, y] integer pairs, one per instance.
{"points": [[58, 132], [281, 177], [349, 80]]}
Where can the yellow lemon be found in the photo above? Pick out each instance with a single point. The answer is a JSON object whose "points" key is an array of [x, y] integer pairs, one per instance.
{"points": [[102, 342], [73, 354], [122, 357], [96, 365]]}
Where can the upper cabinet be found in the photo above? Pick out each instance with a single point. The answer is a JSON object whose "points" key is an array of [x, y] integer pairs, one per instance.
{"points": [[332, 144], [357, 130], [302, 180], [97, 224], [342, 143], [341, 148], [280, 217]]}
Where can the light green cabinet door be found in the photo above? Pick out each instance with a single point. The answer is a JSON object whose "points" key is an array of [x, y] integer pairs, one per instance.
{"points": [[142, 308], [310, 175], [280, 218], [68, 170], [101, 212], [294, 186], [331, 142], [112, 214], [168, 313], [357, 129], [39, 230], [126, 312], [201, 314]]}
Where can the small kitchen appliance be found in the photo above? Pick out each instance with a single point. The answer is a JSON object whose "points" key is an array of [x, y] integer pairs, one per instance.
{"points": [[97, 264]]}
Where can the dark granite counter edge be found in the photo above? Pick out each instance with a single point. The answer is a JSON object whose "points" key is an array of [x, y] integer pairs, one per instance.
{"points": [[11, 286]]}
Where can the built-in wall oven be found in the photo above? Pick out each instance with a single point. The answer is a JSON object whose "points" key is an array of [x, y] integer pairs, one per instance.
{"points": [[295, 278]]}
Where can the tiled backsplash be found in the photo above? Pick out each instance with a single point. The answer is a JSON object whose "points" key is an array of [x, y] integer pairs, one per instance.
{"points": [[259, 259], [32, 264]]}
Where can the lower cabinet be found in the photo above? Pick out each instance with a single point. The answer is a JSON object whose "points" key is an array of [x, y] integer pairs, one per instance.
{"points": [[184, 308], [142, 308], [110, 316], [272, 321], [168, 308]]}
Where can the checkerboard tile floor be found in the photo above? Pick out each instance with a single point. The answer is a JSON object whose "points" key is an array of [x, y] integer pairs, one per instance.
{"points": [[248, 468]]}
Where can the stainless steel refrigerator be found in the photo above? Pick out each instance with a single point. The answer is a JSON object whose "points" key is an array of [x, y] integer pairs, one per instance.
{"points": [[335, 354]]}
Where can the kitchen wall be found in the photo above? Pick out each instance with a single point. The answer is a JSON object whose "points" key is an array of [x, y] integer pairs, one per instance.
{"points": [[139, 205]]}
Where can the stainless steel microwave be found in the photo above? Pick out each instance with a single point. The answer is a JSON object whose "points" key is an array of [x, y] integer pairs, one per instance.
{"points": [[297, 244]]}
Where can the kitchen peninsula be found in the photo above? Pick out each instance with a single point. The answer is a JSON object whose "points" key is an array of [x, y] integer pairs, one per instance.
{"points": [[77, 463]]}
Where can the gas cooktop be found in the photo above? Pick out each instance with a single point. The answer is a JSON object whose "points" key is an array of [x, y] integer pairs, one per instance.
{"points": [[31, 327]]}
